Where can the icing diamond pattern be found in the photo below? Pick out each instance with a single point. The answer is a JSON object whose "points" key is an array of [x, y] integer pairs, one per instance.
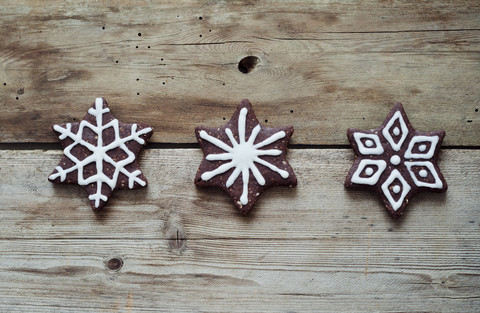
{"points": [[404, 161], [99, 152], [402, 131]]}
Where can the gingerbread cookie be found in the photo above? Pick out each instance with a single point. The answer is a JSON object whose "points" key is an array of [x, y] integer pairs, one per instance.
{"points": [[100, 154], [244, 158], [395, 161]]}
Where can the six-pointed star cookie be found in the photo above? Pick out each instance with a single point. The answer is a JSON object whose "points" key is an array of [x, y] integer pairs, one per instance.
{"points": [[395, 161], [100, 154], [244, 157]]}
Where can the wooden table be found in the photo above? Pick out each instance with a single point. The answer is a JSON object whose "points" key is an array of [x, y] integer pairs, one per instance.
{"points": [[323, 66]]}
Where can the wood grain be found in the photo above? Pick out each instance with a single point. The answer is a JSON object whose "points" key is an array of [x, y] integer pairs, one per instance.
{"points": [[319, 207], [238, 276], [314, 248], [324, 66]]}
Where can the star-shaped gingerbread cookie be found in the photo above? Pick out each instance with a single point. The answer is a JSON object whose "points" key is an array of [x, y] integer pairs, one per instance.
{"points": [[244, 158], [395, 161], [100, 154]]}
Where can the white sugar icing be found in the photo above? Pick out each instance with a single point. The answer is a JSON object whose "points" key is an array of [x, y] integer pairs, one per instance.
{"points": [[403, 131], [437, 184], [243, 155], [99, 153], [406, 188], [426, 149], [372, 179], [418, 139], [395, 160], [369, 171], [367, 148]]}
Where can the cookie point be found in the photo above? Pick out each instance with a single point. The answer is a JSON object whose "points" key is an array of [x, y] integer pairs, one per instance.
{"points": [[245, 102]]}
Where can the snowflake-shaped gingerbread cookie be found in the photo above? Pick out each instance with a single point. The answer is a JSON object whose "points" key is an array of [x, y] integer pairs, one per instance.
{"points": [[244, 157], [395, 161], [100, 154]]}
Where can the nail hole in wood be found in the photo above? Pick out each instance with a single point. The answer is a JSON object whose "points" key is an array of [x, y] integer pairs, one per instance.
{"points": [[115, 264], [266, 121], [136, 47], [103, 27], [248, 64], [200, 17], [16, 98], [291, 111], [476, 110], [138, 79], [138, 94], [4, 84], [161, 59], [200, 36], [116, 61], [139, 34], [148, 47]]}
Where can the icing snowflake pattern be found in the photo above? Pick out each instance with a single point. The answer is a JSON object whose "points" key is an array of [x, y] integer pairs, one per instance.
{"points": [[244, 158], [396, 161], [98, 153], [243, 155]]}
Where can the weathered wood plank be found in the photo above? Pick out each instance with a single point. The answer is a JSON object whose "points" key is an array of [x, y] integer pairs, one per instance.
{"points": [[323, 67], [318, 208], [367, 274]]}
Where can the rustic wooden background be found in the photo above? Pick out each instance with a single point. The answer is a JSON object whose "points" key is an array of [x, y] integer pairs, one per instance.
{"points": [[323, 66]]}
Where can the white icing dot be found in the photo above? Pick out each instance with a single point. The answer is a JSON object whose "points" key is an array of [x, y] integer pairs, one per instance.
{"points": [[395, 160], [369, 171], [368, 143], [422, 148], [396, 131], [423, 173], [396, 189]]}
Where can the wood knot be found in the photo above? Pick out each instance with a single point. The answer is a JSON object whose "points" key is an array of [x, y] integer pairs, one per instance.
{"points": [[177, 240], [114, 264], [248, 64]]}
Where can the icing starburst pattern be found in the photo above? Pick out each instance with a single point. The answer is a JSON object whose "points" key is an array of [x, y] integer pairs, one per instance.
{"points": [[98, 165], [243, 155], [244, 158], [396, 161]]}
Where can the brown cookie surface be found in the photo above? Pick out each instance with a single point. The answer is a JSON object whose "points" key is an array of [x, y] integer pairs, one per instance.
{"points": [[244, 158], [100, 154], [396, 161]]}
